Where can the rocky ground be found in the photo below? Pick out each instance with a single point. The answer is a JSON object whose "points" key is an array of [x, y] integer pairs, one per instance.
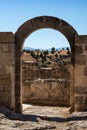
{"points": [[42, 118]]}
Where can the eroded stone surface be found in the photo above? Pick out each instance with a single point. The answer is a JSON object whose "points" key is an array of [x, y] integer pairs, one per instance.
{"points": [[42, 118], [54, 92]]}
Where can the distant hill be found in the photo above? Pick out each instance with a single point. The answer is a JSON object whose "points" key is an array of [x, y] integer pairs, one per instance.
{"points": [[49, 49], [47, 58], [28, 48]]}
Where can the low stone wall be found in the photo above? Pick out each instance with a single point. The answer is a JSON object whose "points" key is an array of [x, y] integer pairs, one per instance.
{"points": [[55, 92], [32, 72]]}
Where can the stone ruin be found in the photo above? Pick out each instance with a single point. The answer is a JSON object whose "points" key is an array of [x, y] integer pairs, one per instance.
{"points": [[10, 62], [46, 86]]}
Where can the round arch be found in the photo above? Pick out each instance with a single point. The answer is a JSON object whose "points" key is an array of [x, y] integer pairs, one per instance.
{"points": [[29, 27], [45, 22]]}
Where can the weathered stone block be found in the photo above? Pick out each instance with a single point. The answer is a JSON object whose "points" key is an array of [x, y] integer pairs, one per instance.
{"points": [[7, 87], [1, 88], [1, 97], [79, 99], [79, 107], [81, 90], [80, 102], [6, 37], [85, 71], [80, 60], [0, 47], [7, 47], [85, 47], [78, 49], [85, 103], [81, 39]]}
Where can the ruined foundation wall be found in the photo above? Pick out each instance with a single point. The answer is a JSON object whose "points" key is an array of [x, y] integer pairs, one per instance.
{"points": [[7, 70], [61, 71], [47, 92]]}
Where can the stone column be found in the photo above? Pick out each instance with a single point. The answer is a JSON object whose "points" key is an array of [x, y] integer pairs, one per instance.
{"points": [[7, 70], [81, 73], [18, 81]]}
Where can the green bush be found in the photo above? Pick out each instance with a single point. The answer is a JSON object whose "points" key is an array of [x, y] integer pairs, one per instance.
{"points": [[48, 62], [43, 64]]}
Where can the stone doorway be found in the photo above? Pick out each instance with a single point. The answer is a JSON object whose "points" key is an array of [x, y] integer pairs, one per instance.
{"points": [[23, 32], [10, 57]]}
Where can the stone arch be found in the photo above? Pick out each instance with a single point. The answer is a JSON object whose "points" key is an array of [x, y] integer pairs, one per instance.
{"points": [[45, 22], [29, 27]]}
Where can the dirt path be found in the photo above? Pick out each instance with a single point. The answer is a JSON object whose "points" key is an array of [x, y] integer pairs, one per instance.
{"points": [[42, 118]]}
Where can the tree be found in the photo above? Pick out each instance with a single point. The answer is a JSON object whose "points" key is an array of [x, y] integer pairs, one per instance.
{"points": [[63, 49], [68, 52], [41, 54], [32, 53], [56, 56], [24, 50], [44, 57], [45, 52], [67, 48], [52, 50]]}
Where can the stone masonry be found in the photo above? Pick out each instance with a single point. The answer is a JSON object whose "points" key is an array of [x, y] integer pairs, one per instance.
{"points": [[54, 92], [7, 70], [81, 72], [10, 62]]}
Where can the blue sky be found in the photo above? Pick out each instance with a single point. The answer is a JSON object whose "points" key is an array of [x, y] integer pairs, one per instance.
{"points": [[14, 13]]}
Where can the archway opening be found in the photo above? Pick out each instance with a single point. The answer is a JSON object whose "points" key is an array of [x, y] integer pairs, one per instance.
{"points": [[46, 61], [28, 28]]}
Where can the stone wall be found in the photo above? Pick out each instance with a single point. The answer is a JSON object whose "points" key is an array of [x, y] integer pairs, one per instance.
{"points": [[10, 62], [81, 73], [7, 70], [42, 85], [47, 92], [32, 72], [8, 85]]}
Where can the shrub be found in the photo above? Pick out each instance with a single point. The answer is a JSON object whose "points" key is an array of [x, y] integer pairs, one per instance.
{"points": [[43, 64], [52, 50], [48, 62], [45, 52]]}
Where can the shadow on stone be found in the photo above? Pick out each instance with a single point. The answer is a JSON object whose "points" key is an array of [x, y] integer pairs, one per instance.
{"points": [[35, 118]]}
